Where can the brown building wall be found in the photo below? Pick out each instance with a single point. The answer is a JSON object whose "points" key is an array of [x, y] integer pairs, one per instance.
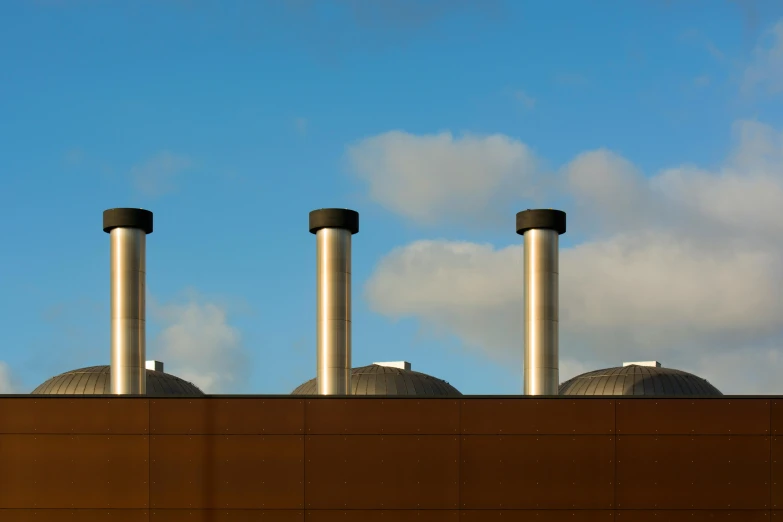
{"points": [[317, 459]]}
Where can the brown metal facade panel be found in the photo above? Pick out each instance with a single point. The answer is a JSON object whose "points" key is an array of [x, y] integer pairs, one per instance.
{"points": [[227, 416], [60, 415], [529, 416], [80, 453], [693, 472], [74, 471], [128, 515], [226, 515], [226, 471], [531, 515], [382, 472], [406, 416], [776, 416], [702, 515], [74, 515], [697, 416], [379, 515], [776, 472], [537, 472]]}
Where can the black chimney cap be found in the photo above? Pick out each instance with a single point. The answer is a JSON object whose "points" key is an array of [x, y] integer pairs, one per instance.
{"points": [[541, 218], [127, 218], [334, 218]]}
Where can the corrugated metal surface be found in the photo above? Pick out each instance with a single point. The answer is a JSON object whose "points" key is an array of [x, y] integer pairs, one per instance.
{"points": [[385, 380], [231, 471], [97, 380], [638, 380], [693, 472], [677, 416], [366, 416], [537, 472], [227, 417], [382, 472]]}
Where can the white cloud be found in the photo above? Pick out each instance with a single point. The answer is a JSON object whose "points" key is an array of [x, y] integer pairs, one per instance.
{"points": [[159, 174], [685, 266], [766, 68], [438, 178], [463, 288], [610, 192], [198, 344], [8, 383]]}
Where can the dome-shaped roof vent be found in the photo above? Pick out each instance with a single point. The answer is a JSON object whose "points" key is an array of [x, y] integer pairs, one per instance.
{"points": [[645, 378], [389, 379], [96, 380]]}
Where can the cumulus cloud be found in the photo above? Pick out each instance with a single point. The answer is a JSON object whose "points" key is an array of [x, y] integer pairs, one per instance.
{"points": [[766, 68], [445, 284], [198, 343], [439, 178], [8, 383], [685, 266], [159, 174], [608, 191]]}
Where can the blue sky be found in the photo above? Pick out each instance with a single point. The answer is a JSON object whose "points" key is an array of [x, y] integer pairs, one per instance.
{"points": [[437, 121]]}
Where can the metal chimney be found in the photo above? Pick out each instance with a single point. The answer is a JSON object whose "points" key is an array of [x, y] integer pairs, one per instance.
{"points": [[541, 230], [128, 228], [333, 228]]}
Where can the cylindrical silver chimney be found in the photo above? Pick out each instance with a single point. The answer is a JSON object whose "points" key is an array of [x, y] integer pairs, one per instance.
{"points": [[128, 228], [541, 230], [333, 228]]}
